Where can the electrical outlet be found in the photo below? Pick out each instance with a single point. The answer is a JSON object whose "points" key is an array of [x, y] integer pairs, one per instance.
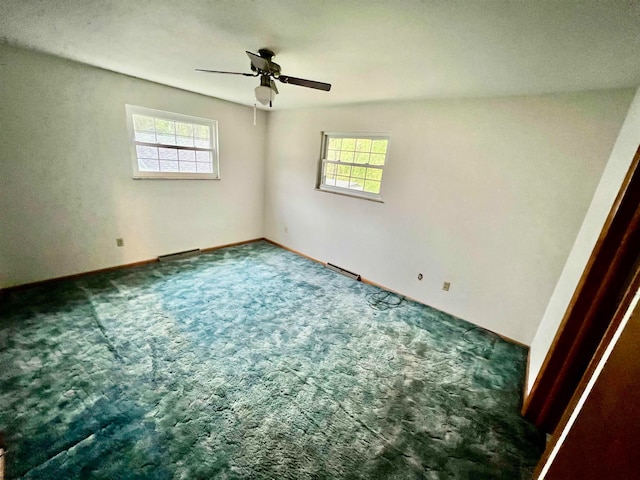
{"points": [[420, 276], [119, 242], [446, 286]]}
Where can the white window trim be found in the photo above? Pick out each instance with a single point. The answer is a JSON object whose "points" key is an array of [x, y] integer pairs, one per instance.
{"points": [[143, 175], [376, 197]]}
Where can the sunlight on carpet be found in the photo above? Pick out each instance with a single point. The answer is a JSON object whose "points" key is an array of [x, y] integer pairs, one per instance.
{"points": [[252, 362]]}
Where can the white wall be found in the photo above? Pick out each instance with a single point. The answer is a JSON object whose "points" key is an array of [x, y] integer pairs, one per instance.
{"points": [[622, 154], [488, 194], [66, 191]]}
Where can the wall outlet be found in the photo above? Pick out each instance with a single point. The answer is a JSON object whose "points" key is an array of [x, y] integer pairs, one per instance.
{"points": [[119, 242], [446, 286]]}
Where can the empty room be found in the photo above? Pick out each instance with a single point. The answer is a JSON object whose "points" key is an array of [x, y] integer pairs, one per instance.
{"points": [[275, 239]]}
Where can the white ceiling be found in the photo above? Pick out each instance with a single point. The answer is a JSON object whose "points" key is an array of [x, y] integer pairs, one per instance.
{"points": [[368, 49]]}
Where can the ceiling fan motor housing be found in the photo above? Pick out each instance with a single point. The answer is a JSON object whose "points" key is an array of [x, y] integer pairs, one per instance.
{"points": [[266, 67], [266, 53], [261, 65]]}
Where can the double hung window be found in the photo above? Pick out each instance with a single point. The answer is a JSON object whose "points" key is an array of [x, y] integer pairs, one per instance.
{"points": [[353, 164], [171, 145]]}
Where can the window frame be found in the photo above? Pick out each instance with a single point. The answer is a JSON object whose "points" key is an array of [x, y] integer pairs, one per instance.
{"points": [[326, 136], [138, 174]]}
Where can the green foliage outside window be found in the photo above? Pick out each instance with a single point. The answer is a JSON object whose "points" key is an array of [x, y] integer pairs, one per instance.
{"points": [[358, 163]]}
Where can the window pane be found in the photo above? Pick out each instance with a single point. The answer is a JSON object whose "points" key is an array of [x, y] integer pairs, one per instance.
{"points": [[330, 180], [363, 145], [141, 122], [187, 155], [346, 156], [185, 141], [204, 167], [333, 155], [344, 170], [203, 156], [371, 186], [329, 168], [188, 166], [148, 165], [167, 142], [166, 139], [379, 146], [342, 182], [355, 184], [148, 137], [335, 143], [358, 172], [362, 158], [165, 126], [168, 166], [184, 129], [146, 152], [201, 131], [347, 163], [349, 144], [374, 174], [202, 143], [377, 159], [168, 153]]}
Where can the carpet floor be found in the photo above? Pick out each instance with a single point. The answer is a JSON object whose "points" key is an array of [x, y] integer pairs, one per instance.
{"points": [[251, 362]]}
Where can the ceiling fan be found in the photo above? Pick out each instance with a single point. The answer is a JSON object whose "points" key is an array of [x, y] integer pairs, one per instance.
{"points": [[262, 66]]}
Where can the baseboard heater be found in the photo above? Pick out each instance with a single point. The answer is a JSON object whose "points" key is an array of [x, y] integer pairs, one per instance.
{"points": [[346, 273], [179, 255]]}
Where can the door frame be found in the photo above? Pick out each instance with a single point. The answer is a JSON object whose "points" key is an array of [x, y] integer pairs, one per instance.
{"points": [[592, 308]]}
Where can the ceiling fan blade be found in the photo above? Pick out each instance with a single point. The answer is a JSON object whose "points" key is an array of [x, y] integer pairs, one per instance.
{"points": [[259, 62], [232, 73], [305, 83]]}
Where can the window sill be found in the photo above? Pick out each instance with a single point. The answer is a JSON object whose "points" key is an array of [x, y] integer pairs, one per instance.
{"points": [[353, 194], [173, 177]]}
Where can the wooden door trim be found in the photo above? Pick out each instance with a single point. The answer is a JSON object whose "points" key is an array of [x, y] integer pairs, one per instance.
{"points": [[621, 311], [591, 309]]}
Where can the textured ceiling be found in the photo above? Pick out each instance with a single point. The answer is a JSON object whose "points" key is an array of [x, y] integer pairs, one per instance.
{"points": [[369, 50]]}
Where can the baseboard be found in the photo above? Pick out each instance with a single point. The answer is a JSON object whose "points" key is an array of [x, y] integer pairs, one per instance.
{"points": [[284, 247], [525, 390], [234, 244], [74, 276], [370, 282], [503, 337]]}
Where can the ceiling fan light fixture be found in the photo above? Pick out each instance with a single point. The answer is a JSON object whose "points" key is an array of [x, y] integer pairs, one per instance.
{"points": [[264, 94], [264, 67]]}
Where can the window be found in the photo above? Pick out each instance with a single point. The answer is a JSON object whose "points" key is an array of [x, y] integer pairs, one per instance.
{"points": [[353, 164], [170, 145]]}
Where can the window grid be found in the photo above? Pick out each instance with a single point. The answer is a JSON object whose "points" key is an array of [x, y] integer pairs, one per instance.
{"points": [[179, 153], [353, 176], [353, 163], [167, 145]]}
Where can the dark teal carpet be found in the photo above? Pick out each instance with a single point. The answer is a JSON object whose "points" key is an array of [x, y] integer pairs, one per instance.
{"points": [[252, 363]]}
